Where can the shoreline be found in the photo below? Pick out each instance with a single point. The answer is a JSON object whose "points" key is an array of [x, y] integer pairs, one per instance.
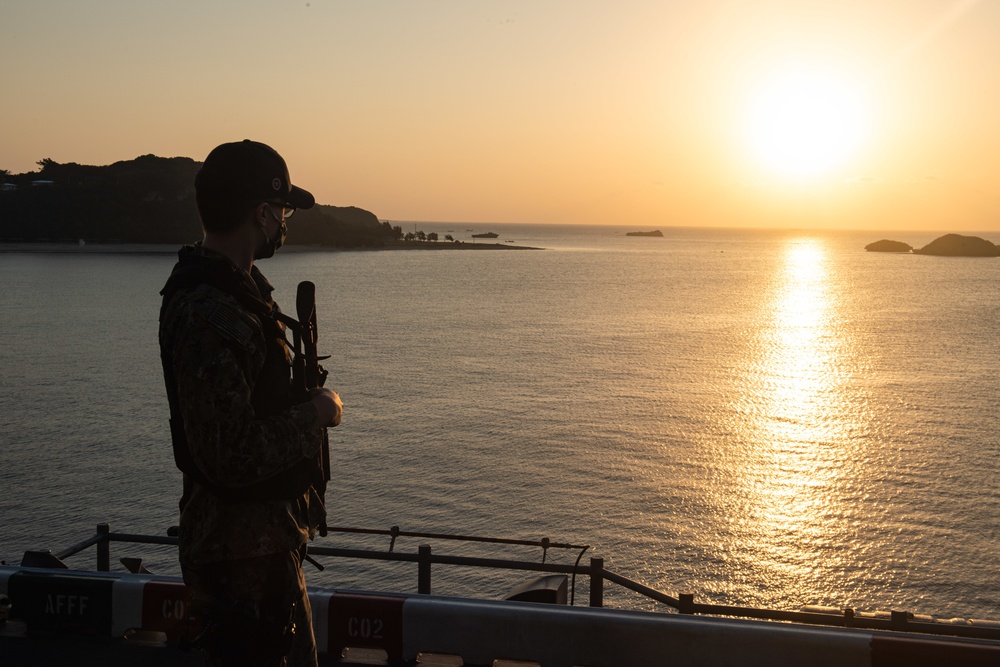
{"points": [[168, 249], [450, 245]]}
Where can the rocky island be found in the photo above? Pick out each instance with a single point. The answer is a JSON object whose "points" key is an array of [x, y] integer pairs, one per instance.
{"points": [[653, 233], [956, 245], [885, 245], [949, 245]]}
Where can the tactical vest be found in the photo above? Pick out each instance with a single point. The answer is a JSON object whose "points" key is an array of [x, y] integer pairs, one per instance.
{"points": [[272, 392]]}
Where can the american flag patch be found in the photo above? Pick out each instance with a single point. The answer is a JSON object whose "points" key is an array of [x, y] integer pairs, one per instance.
{"points": [[227, 320]]}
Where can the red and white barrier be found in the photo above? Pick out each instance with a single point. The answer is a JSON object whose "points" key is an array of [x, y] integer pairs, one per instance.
{"points": [[399, 627]]}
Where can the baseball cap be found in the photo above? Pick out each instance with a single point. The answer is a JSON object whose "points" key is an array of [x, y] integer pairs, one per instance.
{"points": [[249, 170]]}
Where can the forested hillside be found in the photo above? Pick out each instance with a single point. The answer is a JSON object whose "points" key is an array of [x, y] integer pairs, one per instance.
{"points": [[147, 200]]}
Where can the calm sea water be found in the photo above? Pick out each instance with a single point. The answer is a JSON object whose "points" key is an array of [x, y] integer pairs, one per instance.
{"points": [[760, 418]]}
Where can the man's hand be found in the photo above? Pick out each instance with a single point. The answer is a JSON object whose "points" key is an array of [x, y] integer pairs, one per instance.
{"points": [[328, 405]]}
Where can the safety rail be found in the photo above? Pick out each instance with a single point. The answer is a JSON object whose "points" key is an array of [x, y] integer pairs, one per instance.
{"points": [[394, 532], [898, 621]]}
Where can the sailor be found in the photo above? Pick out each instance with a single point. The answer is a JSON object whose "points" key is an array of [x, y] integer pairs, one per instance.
{"points": [[248, 447]]}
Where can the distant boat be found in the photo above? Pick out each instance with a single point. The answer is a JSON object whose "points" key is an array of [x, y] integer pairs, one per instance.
{"points": [[653, 233], [485, 235]]}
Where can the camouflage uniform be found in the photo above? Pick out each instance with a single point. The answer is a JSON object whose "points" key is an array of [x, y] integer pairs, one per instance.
{"points": [[217, 349]]}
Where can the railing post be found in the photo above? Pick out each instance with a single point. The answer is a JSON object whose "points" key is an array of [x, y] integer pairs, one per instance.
{"points": [[685, 603], [596, 582], [424, 569], [104, 548]]}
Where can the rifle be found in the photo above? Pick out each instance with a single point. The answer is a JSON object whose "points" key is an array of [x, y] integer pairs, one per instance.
{"points": [[307, 374]]}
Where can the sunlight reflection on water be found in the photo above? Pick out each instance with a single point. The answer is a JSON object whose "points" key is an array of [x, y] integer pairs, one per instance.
{"points": [[796, 404]]}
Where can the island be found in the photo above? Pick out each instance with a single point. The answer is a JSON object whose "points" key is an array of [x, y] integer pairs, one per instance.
{"points": [[135, 205], [485, 235], [885, 245], [956, 245], [656, 232]]}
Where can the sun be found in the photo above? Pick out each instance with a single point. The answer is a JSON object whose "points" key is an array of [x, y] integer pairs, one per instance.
{"points": [[802, 124]]}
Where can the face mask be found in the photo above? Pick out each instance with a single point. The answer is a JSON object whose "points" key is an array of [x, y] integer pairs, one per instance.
{"points": [[269, 247]]}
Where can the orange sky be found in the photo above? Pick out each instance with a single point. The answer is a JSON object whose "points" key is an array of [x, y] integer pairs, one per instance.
{"points": [[581, 111]]}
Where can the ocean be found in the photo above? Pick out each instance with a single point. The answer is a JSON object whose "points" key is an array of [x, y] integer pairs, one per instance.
{"points": [[762, 418]]}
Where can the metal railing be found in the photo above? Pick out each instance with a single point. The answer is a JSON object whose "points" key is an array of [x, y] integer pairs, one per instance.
{"points": [[898, 621]]}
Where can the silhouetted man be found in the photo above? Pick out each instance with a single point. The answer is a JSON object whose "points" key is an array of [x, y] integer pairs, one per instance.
{"points": [[248, 446]]}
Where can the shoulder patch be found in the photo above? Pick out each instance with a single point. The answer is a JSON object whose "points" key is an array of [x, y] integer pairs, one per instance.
{"points": [[226, 318]]}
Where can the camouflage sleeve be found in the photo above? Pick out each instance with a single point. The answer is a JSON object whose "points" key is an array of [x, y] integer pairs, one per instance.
{"points": [[214, 369]]}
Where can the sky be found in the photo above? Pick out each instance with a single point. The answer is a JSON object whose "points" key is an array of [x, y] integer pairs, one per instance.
{"points": [[851, 114]]}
